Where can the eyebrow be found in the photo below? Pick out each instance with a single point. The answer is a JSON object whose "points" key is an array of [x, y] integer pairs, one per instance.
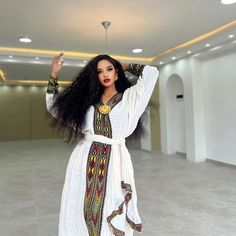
{"points": [[110, 66]]}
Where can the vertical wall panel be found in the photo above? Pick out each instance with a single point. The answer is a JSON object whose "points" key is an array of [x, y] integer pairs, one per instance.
{"points": [[40, 123], [155, 120], [23, 113], [14, 117]]}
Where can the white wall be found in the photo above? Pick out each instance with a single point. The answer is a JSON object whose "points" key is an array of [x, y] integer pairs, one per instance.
{"points": [[194, 149], [209, 107], [146, 141], [220, 76]]}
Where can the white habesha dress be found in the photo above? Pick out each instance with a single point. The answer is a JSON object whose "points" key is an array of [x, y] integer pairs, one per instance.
{"points": [[99, 196]]}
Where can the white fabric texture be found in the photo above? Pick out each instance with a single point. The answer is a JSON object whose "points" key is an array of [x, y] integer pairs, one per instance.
{"points": [[124, 118]]}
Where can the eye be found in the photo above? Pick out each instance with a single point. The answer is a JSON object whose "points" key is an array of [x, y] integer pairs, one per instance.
{"points": [[99, 71], [110, 69]]}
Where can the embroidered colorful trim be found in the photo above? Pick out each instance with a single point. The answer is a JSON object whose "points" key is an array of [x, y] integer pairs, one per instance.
{"points": [[135, 69], [128, 196], [52, 87], [97, 171]]}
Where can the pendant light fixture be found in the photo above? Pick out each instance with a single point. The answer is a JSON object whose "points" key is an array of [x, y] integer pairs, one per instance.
{"points": [[106, 25]]}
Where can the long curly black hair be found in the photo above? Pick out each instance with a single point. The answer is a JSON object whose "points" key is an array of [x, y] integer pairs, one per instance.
{"points": [[72, 104]]}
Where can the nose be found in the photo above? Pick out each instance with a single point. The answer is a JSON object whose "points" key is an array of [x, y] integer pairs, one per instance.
{"points": [[104, 74]]}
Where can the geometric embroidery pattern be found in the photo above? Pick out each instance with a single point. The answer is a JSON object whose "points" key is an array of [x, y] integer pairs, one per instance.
{"points": [[97, 170], [128, 196]]}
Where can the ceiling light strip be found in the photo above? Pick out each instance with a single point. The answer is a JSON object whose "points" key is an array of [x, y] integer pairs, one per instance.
{"points": [[27, 82], [3, 76], [196, 40], [33, 82], [68, 54]]}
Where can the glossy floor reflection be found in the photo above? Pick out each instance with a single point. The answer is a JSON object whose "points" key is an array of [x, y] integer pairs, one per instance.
{"points": [[175, 197]]}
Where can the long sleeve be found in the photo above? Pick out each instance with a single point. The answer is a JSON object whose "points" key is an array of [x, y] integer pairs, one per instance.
{"points": [[52, 91], [138, 96]]}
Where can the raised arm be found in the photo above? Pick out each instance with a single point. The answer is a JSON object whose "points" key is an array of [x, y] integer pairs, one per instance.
{"points": [[52, 88], [138, 96]]}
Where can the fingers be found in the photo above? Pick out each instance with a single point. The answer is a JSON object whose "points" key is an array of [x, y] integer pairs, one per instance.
{"points": [[61, 54], [58, 59]]}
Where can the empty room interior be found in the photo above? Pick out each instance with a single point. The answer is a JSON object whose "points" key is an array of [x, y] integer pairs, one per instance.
{"points": [[142, 140]]}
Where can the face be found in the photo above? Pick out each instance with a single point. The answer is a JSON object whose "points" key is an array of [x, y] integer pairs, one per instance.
{"points": [[107, 74]]}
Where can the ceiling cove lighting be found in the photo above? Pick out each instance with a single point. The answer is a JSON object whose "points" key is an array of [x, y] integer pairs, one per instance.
{"points": [[216, 48], [137, 50], [2, 75], [71, 54], [25, 39], [228, 1]]}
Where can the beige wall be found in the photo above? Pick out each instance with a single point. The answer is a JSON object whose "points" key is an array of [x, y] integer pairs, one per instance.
{"points": [[155, 120], [23, 113]]}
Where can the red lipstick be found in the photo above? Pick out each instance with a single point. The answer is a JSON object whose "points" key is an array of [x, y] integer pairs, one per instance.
{"points": [[106, 80]]}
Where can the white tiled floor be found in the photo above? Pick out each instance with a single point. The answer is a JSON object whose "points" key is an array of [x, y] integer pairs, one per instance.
{"points": [[175, 197]]}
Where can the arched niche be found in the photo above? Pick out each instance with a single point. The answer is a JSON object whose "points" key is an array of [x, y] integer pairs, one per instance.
{"points": [[175, 112]]}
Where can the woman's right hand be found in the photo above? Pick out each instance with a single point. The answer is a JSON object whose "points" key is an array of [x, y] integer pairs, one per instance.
{"points": [[57, 64]]}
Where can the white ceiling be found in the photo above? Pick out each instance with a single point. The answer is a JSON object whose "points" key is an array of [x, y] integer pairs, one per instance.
{"points": [[154, 25]]}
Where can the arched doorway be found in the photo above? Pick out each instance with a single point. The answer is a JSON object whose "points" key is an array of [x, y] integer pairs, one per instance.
{"points": [[175, 115]]}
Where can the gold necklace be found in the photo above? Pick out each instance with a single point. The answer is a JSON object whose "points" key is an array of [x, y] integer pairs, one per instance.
{"points": [[104, 109]]}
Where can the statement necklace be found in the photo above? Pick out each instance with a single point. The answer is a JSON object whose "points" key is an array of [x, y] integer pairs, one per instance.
{"points": [[104, 109]]}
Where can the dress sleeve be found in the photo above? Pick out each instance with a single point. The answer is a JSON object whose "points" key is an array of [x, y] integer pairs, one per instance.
{"points": [[52, 91], [138, 95]]}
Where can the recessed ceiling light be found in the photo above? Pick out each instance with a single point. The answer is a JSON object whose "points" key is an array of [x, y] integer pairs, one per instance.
{"points": [[207, 45], [137, 50], [216, 48], [10, 56], [85, 61], [196, 54], [173, 58], [189, 52], [228, 1], [231, 36], [25, 39], [37, 58], [161, 63]]}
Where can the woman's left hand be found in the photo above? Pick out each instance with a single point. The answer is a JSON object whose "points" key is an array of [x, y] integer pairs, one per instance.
{"points": [[125, 67]]}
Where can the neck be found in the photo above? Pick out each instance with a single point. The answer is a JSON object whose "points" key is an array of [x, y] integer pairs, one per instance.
{"points": [[109, 91]]}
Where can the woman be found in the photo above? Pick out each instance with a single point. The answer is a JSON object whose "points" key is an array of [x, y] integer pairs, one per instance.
{"points": [[99, 196]]}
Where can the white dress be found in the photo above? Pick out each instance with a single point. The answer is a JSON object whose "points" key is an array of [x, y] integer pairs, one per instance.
{"points": [[99, 196]]}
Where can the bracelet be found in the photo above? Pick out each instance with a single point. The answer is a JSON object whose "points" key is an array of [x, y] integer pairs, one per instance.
{"points": [[52, 87], [135, 69]]}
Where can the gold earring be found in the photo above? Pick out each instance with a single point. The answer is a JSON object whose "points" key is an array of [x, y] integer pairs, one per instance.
{"points": [[116, 78]]}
